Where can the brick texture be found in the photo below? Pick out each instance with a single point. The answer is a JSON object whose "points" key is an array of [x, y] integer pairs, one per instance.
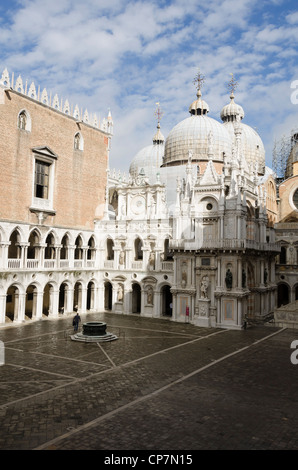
{"points": [[80, 175]]}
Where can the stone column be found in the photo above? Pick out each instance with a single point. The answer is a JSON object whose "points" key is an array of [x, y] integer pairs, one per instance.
{"points": [[2, 308], [54, 302], [37, 299]]}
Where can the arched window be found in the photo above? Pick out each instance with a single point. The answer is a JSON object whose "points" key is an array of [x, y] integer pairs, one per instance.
{"points": [[168, 255], [138, 249], [78, 141], [24, 121], [50, 248], [14, 249], [64, 248], [91, 248], [110, 249], [33, 244], [78, 254]]}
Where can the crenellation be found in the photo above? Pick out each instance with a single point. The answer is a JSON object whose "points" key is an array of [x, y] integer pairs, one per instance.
{"points": [[57, 104]]}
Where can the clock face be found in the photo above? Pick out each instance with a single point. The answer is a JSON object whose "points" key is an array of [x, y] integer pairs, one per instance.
{"points": [[138, 205]]}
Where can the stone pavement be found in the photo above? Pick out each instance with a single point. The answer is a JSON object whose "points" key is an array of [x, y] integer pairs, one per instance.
{"points": [[160, 386]]}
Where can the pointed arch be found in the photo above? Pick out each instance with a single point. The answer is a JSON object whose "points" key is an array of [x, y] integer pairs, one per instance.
{"points": [[78, 142], [24, 120]]}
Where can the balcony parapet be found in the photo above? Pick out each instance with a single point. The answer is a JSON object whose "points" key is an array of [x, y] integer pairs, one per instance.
{"points": [[223, 244]]}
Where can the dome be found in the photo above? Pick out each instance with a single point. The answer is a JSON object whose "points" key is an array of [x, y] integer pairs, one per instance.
{"points": [[231, 110], [193, 135], [251, 143], [149, 159], [199, 106]]}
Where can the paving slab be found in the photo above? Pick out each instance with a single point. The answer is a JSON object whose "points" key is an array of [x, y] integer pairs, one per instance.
{"points": [[160, 385]]}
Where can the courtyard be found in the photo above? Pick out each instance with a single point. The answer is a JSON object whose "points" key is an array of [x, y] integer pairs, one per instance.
{"points": [[160, 386]]}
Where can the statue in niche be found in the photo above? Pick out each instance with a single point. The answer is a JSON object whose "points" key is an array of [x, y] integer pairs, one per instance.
{"points": [[152, 260], [120, 293], [229, 279], [204, 287], [152, 207], [150, 296], [121, 257]]}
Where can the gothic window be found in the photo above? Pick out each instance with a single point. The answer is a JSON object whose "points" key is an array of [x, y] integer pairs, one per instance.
{"points": [[64, 248], [138, 249], [78, 142], [91, 248], [14, 249], [110, 249], [50, 249], [78, 254], [168, 255], [33, 244], [24, 121]]}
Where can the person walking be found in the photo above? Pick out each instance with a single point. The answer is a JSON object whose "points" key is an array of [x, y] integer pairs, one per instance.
{"points": [[76, 320]]}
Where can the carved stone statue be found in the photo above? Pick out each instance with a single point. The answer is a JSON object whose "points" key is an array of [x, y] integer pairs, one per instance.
{"points": [[152, 260], [184, 278], [204, 287], [121, 257], [120, 293], [150, 296]]}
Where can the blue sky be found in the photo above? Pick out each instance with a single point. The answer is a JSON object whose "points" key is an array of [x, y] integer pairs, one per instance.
{"points": [[128, 55]]}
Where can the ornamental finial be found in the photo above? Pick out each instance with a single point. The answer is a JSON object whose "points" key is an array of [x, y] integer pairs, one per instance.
{"points": [[232, 85], [199, 80], [158, 112]]}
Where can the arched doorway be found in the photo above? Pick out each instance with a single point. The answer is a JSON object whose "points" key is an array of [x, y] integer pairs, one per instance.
{"points": [[108, 299], [166, 301], [12, 303], [282, 294], [30, 304], [77, 296], [136, 298], [62, 297], [47, 299], [91, 296]]}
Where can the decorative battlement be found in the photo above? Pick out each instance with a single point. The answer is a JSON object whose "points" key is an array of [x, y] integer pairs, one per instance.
{"points": [[54, 102]]}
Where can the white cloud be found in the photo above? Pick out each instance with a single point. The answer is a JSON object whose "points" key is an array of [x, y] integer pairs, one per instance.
{"points": [[126, 55]]}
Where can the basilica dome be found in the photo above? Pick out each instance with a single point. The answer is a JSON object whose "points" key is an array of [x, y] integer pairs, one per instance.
{"points": [[251, 143], [149, 159], [193, 135]]}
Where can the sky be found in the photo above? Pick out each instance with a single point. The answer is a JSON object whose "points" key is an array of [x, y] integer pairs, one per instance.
{"points": [[126, 56]]}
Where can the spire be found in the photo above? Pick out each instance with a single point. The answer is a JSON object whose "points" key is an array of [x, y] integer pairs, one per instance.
{"points": [[232, 111], [199, 106], [158, 138]]}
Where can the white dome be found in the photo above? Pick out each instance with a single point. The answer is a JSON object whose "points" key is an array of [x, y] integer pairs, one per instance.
{"points": [[192, 135], [148, 159], [231, 111], [252, 145]]}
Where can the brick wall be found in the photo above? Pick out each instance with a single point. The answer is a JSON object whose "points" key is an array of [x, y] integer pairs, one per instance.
{"points": [[80, 176]]}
